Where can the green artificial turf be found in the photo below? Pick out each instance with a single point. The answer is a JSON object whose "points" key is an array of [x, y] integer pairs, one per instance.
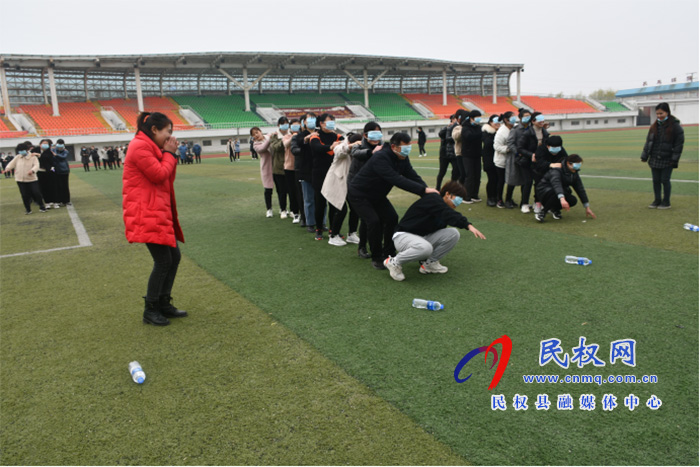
{"points": [[244, 275]]}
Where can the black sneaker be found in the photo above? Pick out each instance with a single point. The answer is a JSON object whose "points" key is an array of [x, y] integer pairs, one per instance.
{"points": [[540, 216], [654, 205], [311, 228], [500, 205], [319, 235], [664, 206], [362, 253], [490, 203], [476, 200], [510, 204], [556, 215], [379, 265], [27, 213], [43, 210]]}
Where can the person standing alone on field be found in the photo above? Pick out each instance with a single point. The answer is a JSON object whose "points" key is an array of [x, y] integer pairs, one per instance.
{"points": [[421, 142], [150, 211], [662, 151]]}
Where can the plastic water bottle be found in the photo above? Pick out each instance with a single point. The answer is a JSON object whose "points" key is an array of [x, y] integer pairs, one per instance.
{"points": [[136, 372], [427, 304], [578, 260], [691, 227]]}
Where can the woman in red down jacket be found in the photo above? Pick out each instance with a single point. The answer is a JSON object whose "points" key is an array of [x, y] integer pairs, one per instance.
{"points": [[150, 214]]}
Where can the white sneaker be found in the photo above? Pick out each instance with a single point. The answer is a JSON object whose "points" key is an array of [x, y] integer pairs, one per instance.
{"points": [[297, 219], [433, 267], [283, 214], [56, 205], [538, 207], [335, 240], [395, 270], [353, 238], [269, 213], [525, 208]]}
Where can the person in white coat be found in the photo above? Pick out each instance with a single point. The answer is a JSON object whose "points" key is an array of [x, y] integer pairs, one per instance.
{"points": [[335, 185], [501, 156]]}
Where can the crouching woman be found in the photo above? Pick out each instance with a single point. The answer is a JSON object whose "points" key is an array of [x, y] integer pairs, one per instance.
{"points": [[150, 213], [422, 235]]}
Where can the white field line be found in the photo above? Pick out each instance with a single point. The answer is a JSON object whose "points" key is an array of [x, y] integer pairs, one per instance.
{"points": [[597, 176], [83, 238]]}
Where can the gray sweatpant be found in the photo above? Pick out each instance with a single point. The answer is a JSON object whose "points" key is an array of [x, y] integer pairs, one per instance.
{"points": [[432, 247]]}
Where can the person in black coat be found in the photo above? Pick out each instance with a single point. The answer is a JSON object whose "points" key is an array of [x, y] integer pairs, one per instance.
{"points": [[488, 134], [47, 174], [554, 189], [95, 156], [422, 235], [526, 144], [421, 142], [447, 153], [302, 168], [85, 158], [367, 193], [662, 151], [471, 155], [549, 155]]}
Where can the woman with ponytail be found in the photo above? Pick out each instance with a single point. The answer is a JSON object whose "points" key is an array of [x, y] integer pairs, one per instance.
{"points": [[150, 212], [663, 151]]}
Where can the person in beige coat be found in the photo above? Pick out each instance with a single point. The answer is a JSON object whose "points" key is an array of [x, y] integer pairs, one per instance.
{"points": [[25, 166]]}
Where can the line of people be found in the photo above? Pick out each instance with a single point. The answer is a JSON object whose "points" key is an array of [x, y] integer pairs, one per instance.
{"points": [[107, 156], [42, 174]]}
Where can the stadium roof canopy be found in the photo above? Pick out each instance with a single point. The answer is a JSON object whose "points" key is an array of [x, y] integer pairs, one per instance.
{"points": [[23, 78]]}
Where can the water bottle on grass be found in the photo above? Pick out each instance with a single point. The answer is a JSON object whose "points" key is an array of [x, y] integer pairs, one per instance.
{"points": [[691, 227], [136, 372], [578, 260], [427, 304]]}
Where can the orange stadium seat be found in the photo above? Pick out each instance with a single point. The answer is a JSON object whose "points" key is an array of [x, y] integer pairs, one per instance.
{"points": [[129, 111], [555, 105], [485, 103], [434, 103], [75, 118]]}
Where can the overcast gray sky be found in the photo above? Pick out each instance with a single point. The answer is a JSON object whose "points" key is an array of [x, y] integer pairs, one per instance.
{"points": [[568, 46]]}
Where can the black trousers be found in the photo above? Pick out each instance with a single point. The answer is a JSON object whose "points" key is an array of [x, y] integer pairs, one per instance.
{"points": [[500, 183], [421, 148], [444, 164], [462, 170], [281, 188], [659, 178], [290, 182], [166, 260], [526, 188], [47, 185], [198, 158], [231, 156], [30, 191], [381, 219], [550, 200], [86, 166], [268, 198], [472, 168], [300, 196], [62, 188], [492, 180], [96, 163]]}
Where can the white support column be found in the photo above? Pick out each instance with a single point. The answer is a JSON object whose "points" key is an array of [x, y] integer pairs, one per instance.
{"points": [[126, 95], [54, 97], [246, 89], [444, 87], [199, 84], [139, 95], [228, 87], [401, 85], [518, 83], [319, 85], [366, 88], [43, 86], [3, 91], [454, 84], [429, 85], [495, 87], [160, 84], [481, 84], [85, 87], [290, 84]]}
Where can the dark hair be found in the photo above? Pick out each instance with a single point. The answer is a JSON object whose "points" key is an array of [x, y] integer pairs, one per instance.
{"points": [[461, 115], [474, 114], [325, 116], [309, 114], [23, 147], [494, 116], [282, 120], [534, 115], [354, 137], [455, 188], [294, 120], [47, 140], [554, 140], [147, 120], [253, 129], [400, 137], [60, 141], [522, 111], [371, 126], [420, 128], [505, 116], [664, 106], [573, 158]]}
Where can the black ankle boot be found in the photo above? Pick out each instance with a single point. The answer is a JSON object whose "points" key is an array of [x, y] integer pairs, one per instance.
{"points": [[167, 308], [152, 314]]}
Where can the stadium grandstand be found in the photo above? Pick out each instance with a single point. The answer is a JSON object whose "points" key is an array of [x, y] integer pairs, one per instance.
{"points": [[95, 99]]}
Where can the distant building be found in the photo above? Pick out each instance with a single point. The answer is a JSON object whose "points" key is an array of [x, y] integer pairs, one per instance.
{"points": [[682, 98]]}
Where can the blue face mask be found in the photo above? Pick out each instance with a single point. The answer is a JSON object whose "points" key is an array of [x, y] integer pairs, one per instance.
{"points": [[311, 123], [23, 153], [539, 118], [555, 149], [44, 147], [296, 127], [374, 135], [60, 146], [576, 166], [526, 119], [284, 127], [495, 120], [661, 121], [406, 150], [457, 200], [476, 121], [330, 125], [513, 120]]}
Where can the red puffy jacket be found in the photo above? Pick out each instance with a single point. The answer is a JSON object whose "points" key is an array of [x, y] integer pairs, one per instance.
{"points": [[148, 198]]}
